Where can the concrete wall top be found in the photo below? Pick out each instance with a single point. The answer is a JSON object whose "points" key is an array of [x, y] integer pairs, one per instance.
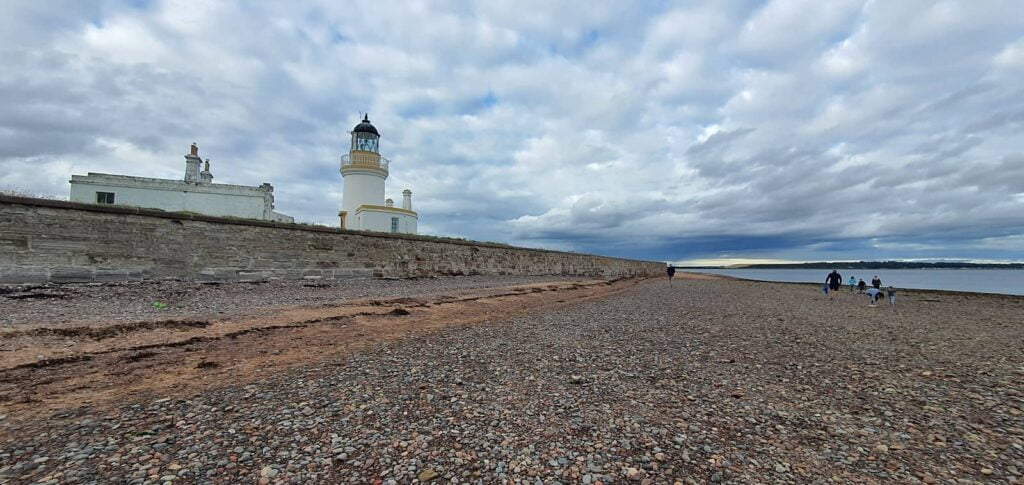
{"points": [[94, 178]]}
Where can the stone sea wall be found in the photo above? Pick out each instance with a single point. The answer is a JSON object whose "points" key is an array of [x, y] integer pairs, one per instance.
{"points": [[57, 241]]}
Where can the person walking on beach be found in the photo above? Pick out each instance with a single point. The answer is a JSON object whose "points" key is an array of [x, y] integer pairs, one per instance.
{"points": [[877, 283], [671, 272], [853, 284], [834, 280], [861, 286], [892, 296]]}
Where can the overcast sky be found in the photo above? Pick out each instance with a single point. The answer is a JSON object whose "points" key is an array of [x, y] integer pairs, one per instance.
{"points": [[785, 129]]}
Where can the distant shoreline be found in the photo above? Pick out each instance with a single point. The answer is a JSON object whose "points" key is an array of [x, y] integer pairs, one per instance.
{"points": [[863, 265], [691, 273]]}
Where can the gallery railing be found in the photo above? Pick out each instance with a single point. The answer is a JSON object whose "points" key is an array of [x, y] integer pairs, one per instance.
{"points": [[364, 160]]}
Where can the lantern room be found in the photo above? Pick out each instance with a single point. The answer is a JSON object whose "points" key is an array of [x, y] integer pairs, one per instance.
{"points": [[365, 137]]}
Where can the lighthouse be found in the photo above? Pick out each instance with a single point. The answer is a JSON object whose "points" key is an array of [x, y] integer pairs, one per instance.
{"points": [[363, 173]]}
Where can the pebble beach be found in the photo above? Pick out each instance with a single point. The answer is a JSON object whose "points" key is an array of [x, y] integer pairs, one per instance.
{"points": [[705, 381]]}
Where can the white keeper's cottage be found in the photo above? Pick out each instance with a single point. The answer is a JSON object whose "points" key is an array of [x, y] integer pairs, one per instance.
{"points": [[363, 171], [196, 193]]}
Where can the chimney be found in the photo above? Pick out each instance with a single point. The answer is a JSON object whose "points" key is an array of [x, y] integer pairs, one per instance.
{"points": [[389, 203], [192, 162], [407, 199], [205, 176]]}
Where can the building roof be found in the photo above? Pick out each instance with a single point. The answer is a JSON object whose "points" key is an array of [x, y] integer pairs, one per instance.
{"points": [[381, 208], [94, 178], [365, 126]]}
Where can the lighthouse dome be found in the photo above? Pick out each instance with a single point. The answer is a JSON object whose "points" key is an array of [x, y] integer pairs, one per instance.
{"points": [[365, 126]]}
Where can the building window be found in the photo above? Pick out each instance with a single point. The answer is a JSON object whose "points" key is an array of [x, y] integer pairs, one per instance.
{"points": [[394, 224], [104, 197]]}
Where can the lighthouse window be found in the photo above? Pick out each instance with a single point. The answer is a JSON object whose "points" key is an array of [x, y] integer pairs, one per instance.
{"points": [[366, 144], [394, 224]]}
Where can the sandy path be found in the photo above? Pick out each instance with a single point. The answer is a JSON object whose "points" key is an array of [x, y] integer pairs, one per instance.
{"points": [[52, 368]]}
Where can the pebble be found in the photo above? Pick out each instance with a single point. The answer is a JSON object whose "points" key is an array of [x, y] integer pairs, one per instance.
{"points": [[427, 475]]}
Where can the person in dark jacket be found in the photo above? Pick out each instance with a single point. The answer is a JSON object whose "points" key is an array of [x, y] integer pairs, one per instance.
{"points": [[877, 283], [834, 280], [861, 286], [671, 272]]}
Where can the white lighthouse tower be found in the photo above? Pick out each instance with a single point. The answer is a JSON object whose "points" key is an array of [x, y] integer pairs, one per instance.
{"points": [[363, 171]]}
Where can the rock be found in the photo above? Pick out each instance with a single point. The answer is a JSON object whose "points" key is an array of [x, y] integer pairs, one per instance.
{"points": [[427, 475], [880, 448]]}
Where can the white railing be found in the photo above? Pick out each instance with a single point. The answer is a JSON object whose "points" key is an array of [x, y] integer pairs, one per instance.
{"points": [[364, 160]]}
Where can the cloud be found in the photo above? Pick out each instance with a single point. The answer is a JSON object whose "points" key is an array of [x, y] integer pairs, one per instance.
{"points": [[783, 28], [1012, 56], [777, 130]]}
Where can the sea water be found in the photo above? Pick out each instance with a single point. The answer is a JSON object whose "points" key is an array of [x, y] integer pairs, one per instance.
{"points": [[1005, 281]]}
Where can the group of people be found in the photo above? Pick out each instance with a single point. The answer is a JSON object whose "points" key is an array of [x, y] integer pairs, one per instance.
{"points": [[834, 281]]}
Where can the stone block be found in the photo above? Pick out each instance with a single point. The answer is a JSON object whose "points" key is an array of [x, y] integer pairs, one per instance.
{"points": [[55, 244], [218, 274], [252, 275], [7, 259], [23, 275], [137, 275], [105, 275], [72, 274], [344, 274], [14, 242]]}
